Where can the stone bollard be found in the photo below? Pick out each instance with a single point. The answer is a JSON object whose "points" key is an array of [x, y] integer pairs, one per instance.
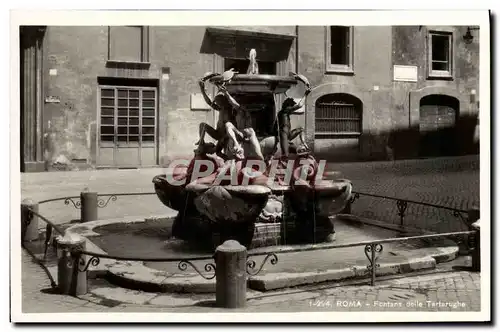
{"points": [[472, 215], [231, 275], [89, 206], [71, 281], [476, 252], [29, 221]]}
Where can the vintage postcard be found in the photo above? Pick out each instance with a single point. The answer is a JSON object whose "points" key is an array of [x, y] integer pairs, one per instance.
{"points": [[264, 166]]}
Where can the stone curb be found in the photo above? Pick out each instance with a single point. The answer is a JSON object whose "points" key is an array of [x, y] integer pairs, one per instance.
{"points": [[135, 275], [87, 229], [274, 281], [393, 227], [407, 230], [412, 263], [138, 276]]}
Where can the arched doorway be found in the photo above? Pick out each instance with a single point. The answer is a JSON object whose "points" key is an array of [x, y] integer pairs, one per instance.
{"points": [[338, 126], [438, 117]]}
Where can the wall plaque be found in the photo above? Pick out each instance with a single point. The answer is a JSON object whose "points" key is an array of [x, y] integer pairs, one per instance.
{"points": [[405, 73], [198, 102], [52, 100]]}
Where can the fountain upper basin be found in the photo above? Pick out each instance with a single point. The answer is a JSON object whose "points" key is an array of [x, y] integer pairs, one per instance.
{"points": [[243, 83]]}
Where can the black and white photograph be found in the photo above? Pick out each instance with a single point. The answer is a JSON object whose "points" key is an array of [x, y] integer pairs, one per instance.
{"points": [[218, 166]]}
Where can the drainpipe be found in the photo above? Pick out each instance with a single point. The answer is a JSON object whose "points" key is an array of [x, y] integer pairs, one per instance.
{"points": [[309, 142], [297, 49]]}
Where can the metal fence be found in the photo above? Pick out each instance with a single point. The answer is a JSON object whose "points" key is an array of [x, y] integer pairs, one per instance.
{"points": [[409, 213], [78, 260]]}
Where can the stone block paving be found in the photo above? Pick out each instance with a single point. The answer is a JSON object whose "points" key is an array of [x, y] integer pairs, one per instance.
{"points": [[444, 292], [37, 294], [451, 182]]}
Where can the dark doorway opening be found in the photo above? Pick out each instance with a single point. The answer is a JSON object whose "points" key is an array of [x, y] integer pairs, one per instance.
{"points": [[438, 118]]}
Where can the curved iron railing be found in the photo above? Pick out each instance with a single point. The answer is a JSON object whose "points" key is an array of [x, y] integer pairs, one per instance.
{"points": [[75, 200], [250, 267], [48, 237], [358, 194], [323, 246], [50, 226], [372, 248], [48, 222], [56, 199], [402, 206]]}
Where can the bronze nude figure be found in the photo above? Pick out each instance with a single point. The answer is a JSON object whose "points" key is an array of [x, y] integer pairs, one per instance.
{"points": [[250, 128]]}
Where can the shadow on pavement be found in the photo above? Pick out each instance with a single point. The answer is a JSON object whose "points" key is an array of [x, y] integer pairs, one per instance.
{"points": [[51, 291], [462, 268], [206, 304]]}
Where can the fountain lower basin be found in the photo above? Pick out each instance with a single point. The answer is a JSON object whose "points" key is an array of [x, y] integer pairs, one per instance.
{"points": [[151, 238]]}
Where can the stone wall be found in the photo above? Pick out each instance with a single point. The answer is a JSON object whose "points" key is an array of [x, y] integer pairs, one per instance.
{"points": [[370, 82], [410, 48], [388, 106], [74, 58]]}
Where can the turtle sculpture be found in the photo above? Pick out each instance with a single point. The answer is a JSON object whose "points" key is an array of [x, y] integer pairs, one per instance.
{"points": [[222, 79], [262, 186]]}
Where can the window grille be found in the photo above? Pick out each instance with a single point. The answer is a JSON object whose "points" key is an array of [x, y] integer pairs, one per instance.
{"points": [[128, 114]]}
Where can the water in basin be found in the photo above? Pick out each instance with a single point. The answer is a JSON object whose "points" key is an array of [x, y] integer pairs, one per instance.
{"points": [[153, 239]]}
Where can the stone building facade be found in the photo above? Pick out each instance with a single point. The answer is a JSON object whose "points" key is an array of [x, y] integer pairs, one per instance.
{"points": [[100, 96]]}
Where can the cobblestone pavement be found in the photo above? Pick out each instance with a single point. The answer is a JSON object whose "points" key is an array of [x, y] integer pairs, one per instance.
{"points": [[448, 291], [451, 182]]}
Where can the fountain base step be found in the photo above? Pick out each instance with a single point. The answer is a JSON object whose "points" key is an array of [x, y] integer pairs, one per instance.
{"points": [[139, 277]]}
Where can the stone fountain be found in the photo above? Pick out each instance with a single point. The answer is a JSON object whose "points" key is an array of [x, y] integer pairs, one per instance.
{"points": [[258, 182]]}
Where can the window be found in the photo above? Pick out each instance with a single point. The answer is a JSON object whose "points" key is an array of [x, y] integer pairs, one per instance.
{"points": [[128, 44], [338, 114], [339, 49], [440, 54], [128, 115]]}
